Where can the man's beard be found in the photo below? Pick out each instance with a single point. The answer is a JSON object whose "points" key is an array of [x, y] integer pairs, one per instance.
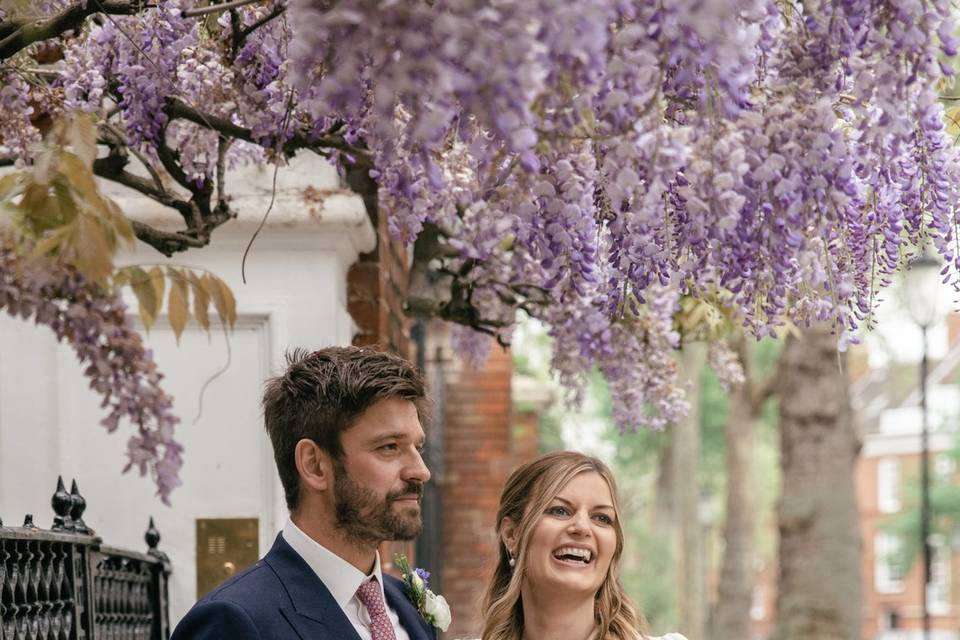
{"points": [[364, 517]]}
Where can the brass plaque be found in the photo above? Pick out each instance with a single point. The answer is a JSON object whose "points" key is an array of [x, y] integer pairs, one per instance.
{"points": [[225, 546]]}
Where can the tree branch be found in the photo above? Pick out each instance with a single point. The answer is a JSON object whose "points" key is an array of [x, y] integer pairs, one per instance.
{"points": [[244, 33], [18, 35], [121, 146], [168, 242], [200, 219], [177, 109], [113, 168]]}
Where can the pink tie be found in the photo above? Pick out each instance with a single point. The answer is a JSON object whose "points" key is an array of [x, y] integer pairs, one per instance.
{"points": [[381, 627]]}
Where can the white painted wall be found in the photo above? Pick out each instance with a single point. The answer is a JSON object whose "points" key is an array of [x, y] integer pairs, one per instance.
{"points": [[295, 295]]}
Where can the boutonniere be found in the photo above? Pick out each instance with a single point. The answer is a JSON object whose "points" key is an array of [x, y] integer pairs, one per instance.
{"points": [[432, 607]]}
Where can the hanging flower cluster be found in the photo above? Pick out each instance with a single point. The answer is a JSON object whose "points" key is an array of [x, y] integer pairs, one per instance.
{"points": [[94, 323], [779, 158]]}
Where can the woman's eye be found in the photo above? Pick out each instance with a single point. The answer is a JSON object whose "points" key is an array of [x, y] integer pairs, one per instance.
{"points": [[557, 511], [605, 519]]}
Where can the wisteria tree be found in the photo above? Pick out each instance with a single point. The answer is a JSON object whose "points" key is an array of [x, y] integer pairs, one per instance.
{"points": [[592, 163]]}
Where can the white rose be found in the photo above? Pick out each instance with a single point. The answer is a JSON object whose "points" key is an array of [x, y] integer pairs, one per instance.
{"points": [[417, 583], [437, 607]]}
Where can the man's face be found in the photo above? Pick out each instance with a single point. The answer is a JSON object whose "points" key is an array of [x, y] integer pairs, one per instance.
{"points": [[379, 482]]}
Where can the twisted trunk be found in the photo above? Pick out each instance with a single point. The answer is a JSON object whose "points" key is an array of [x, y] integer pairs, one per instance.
{"points": [[819, 593]]}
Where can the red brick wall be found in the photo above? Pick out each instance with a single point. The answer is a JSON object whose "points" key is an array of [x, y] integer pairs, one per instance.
{"points": [[526, 435], [376, 286], [478, 460]]}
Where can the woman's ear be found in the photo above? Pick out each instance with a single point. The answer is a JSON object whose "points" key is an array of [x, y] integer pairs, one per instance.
{"points": [[508, 535], [314, 465]]}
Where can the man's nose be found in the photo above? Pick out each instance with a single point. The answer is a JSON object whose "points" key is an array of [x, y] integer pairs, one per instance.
{"points": [[417, 470]]}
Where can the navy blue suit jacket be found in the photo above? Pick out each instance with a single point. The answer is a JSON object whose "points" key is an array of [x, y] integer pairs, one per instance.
{"points": [[281, 598]]}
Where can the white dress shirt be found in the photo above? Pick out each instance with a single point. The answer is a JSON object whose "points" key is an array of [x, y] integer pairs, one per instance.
{"points": [[342, 579]]}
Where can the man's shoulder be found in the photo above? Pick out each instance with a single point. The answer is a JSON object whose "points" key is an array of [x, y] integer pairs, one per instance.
{"points": [[250, 585], [244, 607]]}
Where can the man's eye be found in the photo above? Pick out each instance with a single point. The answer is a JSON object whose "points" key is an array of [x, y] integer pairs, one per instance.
{"points": [[393, 446]]}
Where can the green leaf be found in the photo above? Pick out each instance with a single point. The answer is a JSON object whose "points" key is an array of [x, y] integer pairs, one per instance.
{"points": [[177, 303]]}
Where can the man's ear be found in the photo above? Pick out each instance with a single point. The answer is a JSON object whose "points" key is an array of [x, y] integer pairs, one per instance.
{"points": [[314, 465], [508, 535]]}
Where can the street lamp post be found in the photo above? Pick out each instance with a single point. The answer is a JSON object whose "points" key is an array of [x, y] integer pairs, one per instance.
{"points": [[922, 290]]}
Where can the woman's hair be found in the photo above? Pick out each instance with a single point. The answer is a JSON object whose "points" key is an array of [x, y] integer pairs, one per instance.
{"points": [[527, 494]]}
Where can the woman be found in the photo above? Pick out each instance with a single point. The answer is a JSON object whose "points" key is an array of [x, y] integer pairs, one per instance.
{"points": [[560, 541]]}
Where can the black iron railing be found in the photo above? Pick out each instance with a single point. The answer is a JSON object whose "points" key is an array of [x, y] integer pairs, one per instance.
{"points": [[65, 584]]}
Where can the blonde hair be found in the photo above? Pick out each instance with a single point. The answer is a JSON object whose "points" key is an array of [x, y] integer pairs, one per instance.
{"points": [[525, 497]]}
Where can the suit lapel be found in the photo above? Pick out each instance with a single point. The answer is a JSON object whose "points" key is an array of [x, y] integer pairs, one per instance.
{"points": [[417, 628], [315, 614]]}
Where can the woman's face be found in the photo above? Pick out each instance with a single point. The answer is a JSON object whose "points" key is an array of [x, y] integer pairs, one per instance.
{"points": [[572, 544]]}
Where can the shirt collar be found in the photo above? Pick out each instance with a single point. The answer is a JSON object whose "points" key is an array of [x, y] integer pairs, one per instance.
{"points": [[340, 577]]}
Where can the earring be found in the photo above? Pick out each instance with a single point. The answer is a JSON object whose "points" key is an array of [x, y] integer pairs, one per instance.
{"points": [[512, 562]]}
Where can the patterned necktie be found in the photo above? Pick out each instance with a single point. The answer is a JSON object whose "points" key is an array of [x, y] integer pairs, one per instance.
{"points": [[381, 627]]}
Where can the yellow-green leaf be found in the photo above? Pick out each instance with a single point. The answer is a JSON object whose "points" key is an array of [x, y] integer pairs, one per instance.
{"points": [[50, 244], [157, 281], [9, 185], [177, 307], [146, 296], [82, 135], [88, 249], [120, 222], [223, 300], [80, 176], [41, 211], [201, 300], [121, 277]]}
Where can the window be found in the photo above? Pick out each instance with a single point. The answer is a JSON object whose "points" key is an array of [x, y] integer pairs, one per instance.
{"points": [[889, 620], [887, 577], [888, 485]]}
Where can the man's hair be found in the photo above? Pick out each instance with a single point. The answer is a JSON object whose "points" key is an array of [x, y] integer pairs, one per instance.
{"points": [[322, 393]]}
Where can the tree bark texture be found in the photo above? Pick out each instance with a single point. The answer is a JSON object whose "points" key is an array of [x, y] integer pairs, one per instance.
{"points": [[686, 479], [819, 592], [731, 615]]}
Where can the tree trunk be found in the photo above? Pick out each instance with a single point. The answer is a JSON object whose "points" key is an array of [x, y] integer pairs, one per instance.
{"points": [[731, 616], [819, 593], [686, 479]]}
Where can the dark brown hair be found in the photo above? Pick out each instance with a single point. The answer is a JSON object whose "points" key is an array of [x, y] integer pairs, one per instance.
{"points": [[322, 393]]}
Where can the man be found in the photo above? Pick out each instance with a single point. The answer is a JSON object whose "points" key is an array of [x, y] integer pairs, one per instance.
{"points": [[347, 439]]}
